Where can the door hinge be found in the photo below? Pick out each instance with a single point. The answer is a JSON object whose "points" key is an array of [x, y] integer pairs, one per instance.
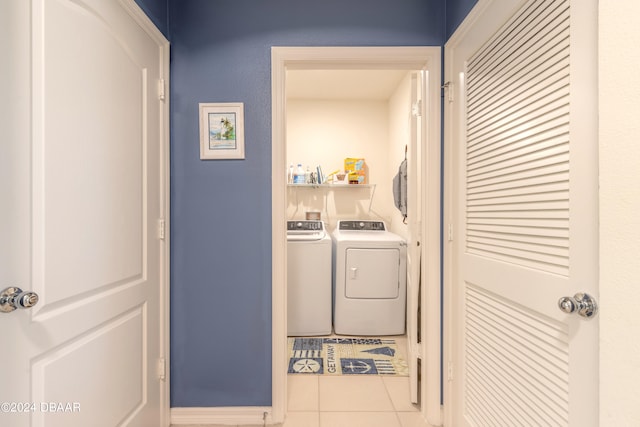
{"points": [[161, 89], [450, 233], [448, 88], [416, 108], [450, 371], [417, 350], [161, 229], [162, 369]]}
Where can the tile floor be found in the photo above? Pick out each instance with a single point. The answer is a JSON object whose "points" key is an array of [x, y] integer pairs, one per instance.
{"points": [[350, 401]]}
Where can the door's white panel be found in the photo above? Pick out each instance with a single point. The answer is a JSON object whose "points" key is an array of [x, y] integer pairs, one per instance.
{"points": [[87, 182], [372, 273], [518, 141], [92, 374], [523, 145], [93, 187], [516, 364]]}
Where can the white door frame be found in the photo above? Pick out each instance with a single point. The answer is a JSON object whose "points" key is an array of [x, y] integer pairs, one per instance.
{"points": [[165, 190], [409, 58]]}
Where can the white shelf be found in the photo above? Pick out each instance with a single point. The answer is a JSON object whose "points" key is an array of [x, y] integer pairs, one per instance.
{"points": [[331, 186]]}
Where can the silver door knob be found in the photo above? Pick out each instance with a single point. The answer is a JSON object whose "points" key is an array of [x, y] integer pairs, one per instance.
{"points": [[584, 304], [13, 298]]}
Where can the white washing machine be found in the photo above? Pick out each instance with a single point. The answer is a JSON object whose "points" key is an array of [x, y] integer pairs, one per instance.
{"points": [[369, 279], [309, 300]]}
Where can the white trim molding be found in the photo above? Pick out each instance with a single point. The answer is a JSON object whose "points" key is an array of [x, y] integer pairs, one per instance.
{"points": [[134, 10], [318, 58], [232, 416]]}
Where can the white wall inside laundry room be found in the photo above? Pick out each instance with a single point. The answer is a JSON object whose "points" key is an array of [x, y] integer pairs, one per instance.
{"points": [[399, 137], [324, 130]]}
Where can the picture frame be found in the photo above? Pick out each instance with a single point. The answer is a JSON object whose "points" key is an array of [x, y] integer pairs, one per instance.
{"points": [[221, 130]]}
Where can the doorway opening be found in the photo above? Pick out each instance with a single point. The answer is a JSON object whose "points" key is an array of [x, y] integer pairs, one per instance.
{"points": [[418, 68]]}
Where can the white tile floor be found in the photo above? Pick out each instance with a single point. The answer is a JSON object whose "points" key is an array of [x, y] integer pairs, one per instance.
{"points": [[350, 401]]}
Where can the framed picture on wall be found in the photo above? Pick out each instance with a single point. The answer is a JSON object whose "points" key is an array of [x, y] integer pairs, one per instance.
{"points": [[221, 131]]}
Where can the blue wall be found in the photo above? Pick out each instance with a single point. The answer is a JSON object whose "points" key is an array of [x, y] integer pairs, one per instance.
{"points": [[157, 11], [221, 210], [221, 262], [456, 11]]}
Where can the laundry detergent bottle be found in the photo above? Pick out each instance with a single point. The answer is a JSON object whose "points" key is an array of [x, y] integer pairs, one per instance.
{"points": [[298, 176]]}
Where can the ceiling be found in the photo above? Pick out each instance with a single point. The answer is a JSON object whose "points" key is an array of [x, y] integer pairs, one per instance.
{"points": [[343, 84]]}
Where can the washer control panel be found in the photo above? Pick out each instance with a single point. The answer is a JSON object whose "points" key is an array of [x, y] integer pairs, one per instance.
{"points": [[304, 226], [362, 225]]}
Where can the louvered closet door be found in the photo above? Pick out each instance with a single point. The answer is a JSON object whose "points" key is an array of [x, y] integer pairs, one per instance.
{"points": [[525, 223]]}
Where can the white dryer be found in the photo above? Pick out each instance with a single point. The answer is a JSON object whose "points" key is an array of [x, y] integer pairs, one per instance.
{"points": [[308, 279], [369, 279]]}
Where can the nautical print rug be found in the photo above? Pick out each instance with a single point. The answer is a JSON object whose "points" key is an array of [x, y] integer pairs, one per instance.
{"points": [[345, 356]]}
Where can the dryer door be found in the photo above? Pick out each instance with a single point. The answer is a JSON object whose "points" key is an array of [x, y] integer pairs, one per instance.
{"points": [[372, 273]]}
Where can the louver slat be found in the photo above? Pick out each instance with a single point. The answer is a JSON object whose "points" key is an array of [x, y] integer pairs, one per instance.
{"points": [[518, 141], [516, 364]]}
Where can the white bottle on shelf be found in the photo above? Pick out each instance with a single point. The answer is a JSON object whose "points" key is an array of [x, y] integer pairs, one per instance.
{"points": [[298, 176], [290, 174]]}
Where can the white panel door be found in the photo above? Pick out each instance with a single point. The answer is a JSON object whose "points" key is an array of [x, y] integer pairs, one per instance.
{"points": [[523, 147], [81, 188]]}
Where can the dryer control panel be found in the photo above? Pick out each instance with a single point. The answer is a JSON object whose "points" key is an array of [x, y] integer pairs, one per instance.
{"points": [[362, 225]]}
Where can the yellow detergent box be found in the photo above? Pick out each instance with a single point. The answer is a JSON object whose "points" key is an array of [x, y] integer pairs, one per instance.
{"points": [[357, 170]]}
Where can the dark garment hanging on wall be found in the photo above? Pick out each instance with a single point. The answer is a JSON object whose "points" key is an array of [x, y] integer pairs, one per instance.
{"points": [[400, 189]]}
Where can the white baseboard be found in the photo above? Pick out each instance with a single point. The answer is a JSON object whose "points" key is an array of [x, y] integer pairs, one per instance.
{"points": [[234, 415]]}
